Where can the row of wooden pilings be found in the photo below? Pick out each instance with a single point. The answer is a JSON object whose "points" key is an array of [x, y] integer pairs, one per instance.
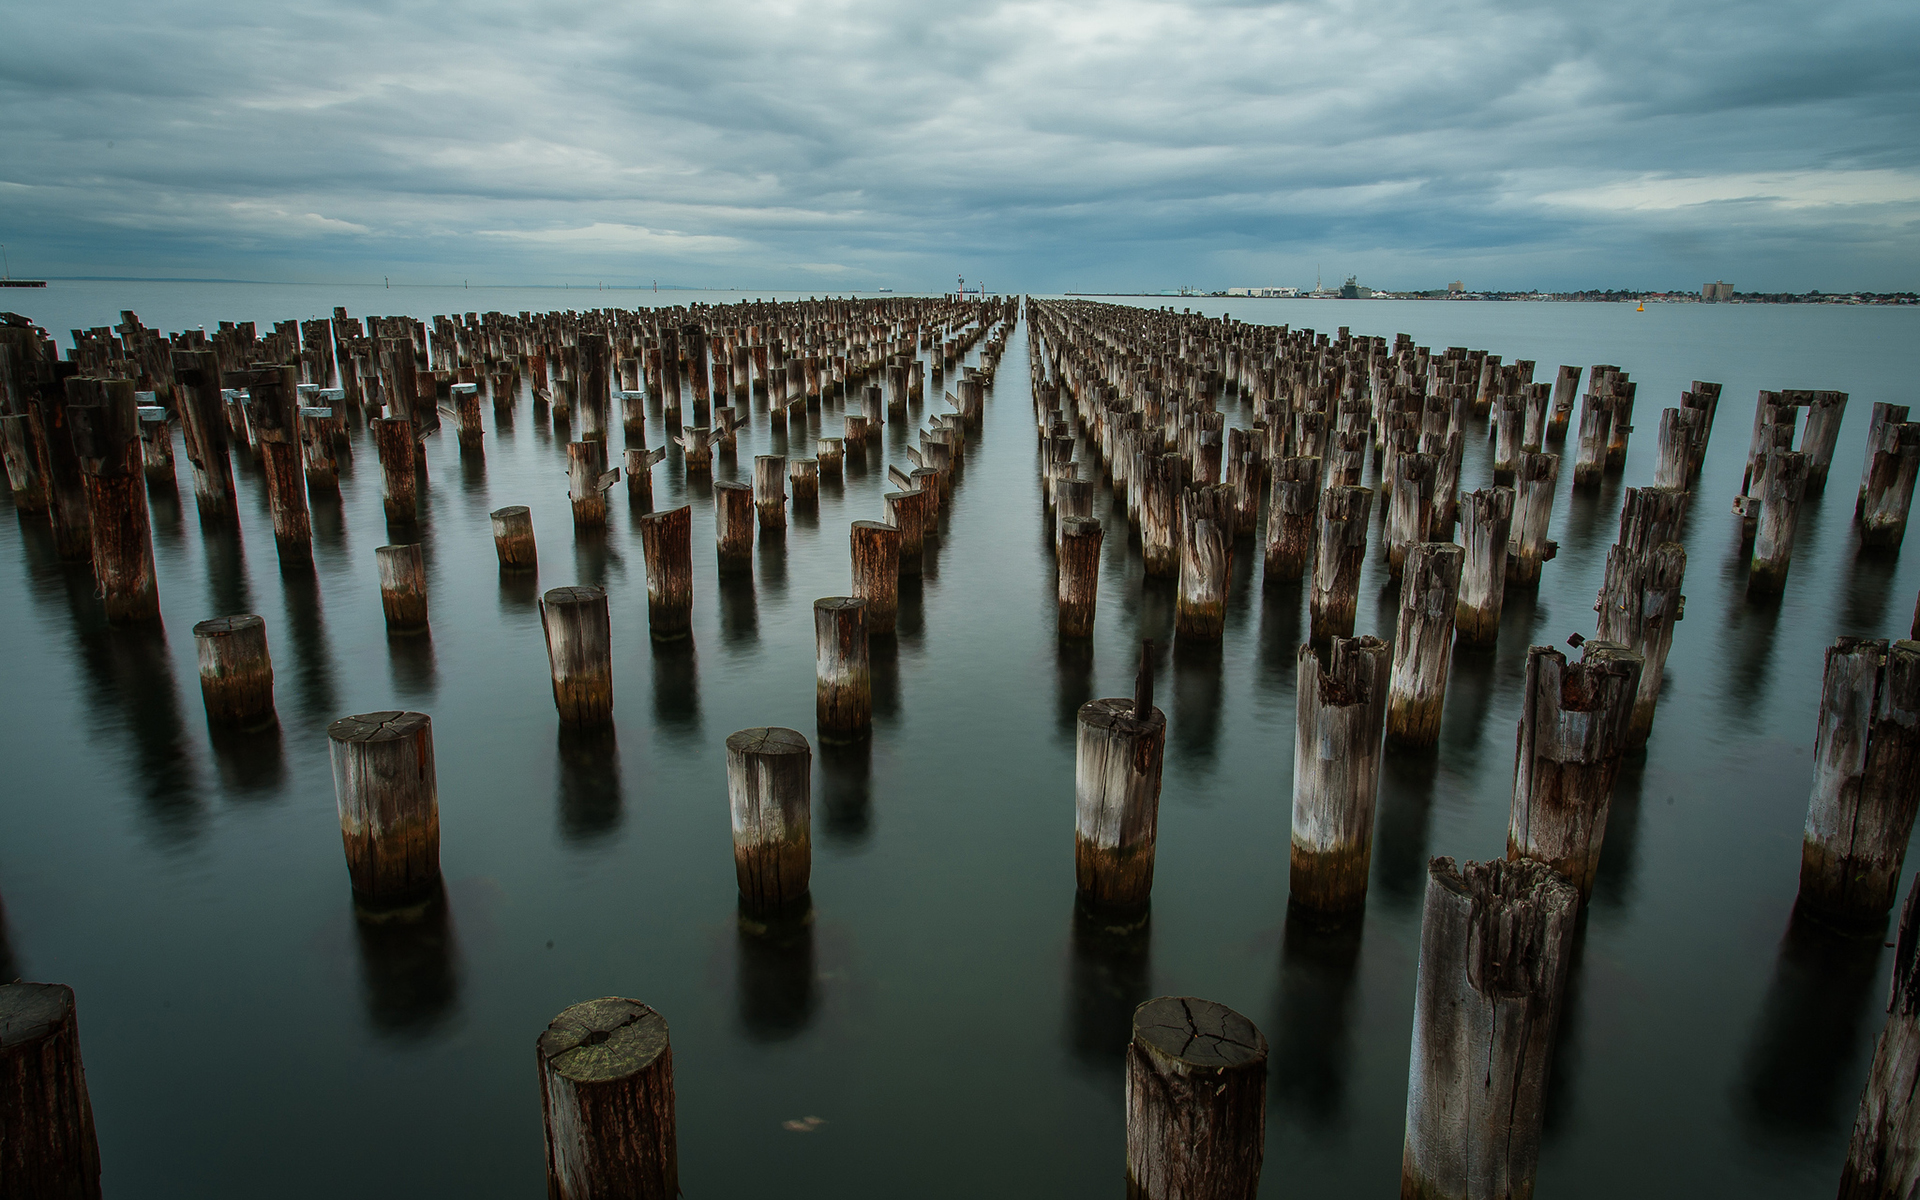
{"points": [[1497, 936]]}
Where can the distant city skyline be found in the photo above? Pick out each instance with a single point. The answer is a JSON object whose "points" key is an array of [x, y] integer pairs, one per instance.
{"points": [[1040, 146]]}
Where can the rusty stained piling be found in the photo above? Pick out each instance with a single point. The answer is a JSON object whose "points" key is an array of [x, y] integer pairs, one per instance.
{"points": [[513, 538], [272, 415], [667, 539], [236, 672], [606, 1098], [48, 1148], [1886, 486], [1573, 729], [1206, 549], [640, 464], [1196, 1102], [156, 443], [733, 527], [1339, 722], [1883, 1155], [105, 430], [769, 793], [579, 633], [1078, 564], [876, 573], [1866, 760], [910, 513], [383, 782], [1495, 939], [770, 490], [1292, 513], [1423, 644], [1528, 547], [399, 481], [843, 676]]}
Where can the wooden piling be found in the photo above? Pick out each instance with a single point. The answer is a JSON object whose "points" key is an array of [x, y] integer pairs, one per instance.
{"points": [[667, 539], [203, 426], [803, 475], [24, 480], [272, 413], [1883, 1155], [236, 672], [1423, 643], [105, 431], [1886, 490], [1339, 720], [843, 678], [399, 481], [769, 790], [1783, 483], [588, 479], [907, 512], [389, 807], [513, 538], [1206, 544], [1196, 1102], [1117, 760], [1866, 758], [403, 587], [1078, 557], [829, 452], [1292, 512], [606, 1095], [1409, 506], [770, 490], [640, 464], [1340, 551], [733, 526], [1486, 523], [876, 573], [1159, 514], [1528, 547], [1566, 385], [48, 1148], [1494, 945], [579, 633], [1573, 729]]}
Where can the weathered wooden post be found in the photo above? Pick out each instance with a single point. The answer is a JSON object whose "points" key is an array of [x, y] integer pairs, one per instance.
{"points": [[1409, 506], [1886, 489], [471, 434], [733, 526], [1494, 944], [1200, 611], [1783, 483], [1596, 424], [1566, 385], [1423, 643], [203, 423], [1528, 547], [667, 539], [1640, 596], [403, 587], [1866, 779], [1159, 514], [272, 411], [156, 444], [843, 678], [1340, 551], [106, 438], [389, 806], [1573, 729], [606, 1095], [513, 538], [876, 573], [588, 479], [640, 464], [804, 475], [393, 442], [236, 673], [20, 449], [829, 452], [770, 490], [1196, 1102], [1339, 718], [1291, 514], [579, 635], [1883, 1156], [1118, 752], [1486, 523], [48, 1149], [1078, 556], [769, 789], [907, 512], [1820, 435]]}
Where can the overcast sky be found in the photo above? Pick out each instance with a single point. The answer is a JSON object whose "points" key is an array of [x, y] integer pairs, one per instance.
{"points": [[1038, 146]]}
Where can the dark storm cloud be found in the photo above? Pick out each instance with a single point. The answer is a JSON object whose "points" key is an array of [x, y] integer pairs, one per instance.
{"points": [[1041, 145]]}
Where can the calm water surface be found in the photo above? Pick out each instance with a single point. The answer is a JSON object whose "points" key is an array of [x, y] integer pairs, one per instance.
{"points": [[958, 1032]]}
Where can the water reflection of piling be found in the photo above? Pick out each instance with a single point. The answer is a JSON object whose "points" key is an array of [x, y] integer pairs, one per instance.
{"points": [[519, 591], [739, 610], [1799, 1074], [590, 794], [9, 961], [1619, 854], [1073, 682], [409, 964], [778, 976], [1197, 694], [410, 658], [1280, 636], [676, 688], [1313, 1016], [1109, 974], [910, 617], [846, 790], [1401, 828], [227, 590], [312, 660], [251, 762]]}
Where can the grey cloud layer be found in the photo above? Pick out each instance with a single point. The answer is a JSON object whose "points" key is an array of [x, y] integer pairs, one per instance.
{"points": [[1040, 145]]}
